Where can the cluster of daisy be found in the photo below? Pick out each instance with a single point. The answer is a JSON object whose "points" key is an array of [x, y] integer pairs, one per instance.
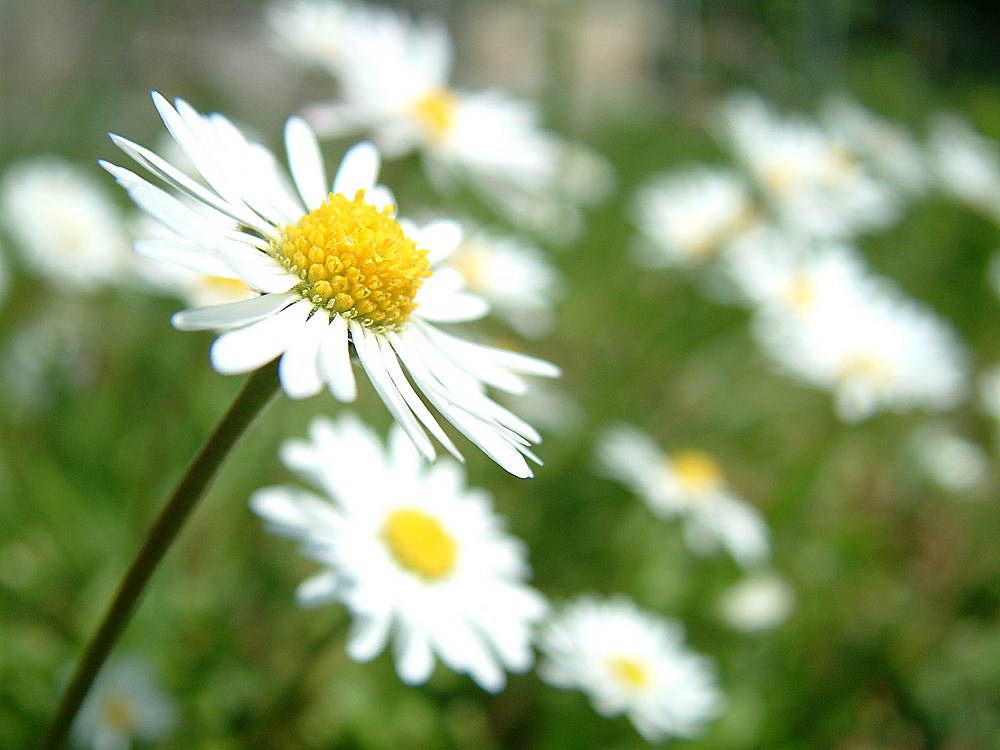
{"points": [[779, 230]]}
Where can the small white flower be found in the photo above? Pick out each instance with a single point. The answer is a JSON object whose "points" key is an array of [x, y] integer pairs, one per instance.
{"points": [[630, 663], [952, 461], [64, 226], [335, 271], [688, 217], [815, 184], [967, 164], [126, 704], [888, 149], [512, 275], [760, 602], [686, 484], [874, 349], [415, 556]]}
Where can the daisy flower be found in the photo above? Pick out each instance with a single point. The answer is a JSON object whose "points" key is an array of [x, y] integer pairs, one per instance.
{"points": [[333, 271], [126, 704], [415, 555], [630, 662], [394, 75], [686, 484], [686, 218], [63, 224], [760, 602], [512, 275], [874, 349], [814, 183]]}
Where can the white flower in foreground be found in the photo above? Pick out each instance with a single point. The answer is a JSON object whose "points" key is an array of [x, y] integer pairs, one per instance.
{"points": [[955, 463], [64, 226], [874, 349], [815, 184], [686, 484], [335, 271], [415, 556], [760, 602], [967, 164], [126, 704], [513, 276], [688, 217], [630, 663]]}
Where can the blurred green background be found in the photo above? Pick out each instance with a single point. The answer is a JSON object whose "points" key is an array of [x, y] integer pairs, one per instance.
{"points": [[894, 643]]}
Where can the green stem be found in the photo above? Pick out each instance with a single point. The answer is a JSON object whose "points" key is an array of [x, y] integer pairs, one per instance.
{"points": [[251, 400]]}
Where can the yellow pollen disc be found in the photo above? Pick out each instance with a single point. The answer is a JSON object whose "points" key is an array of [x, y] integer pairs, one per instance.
{"points": [[696, 470], [435, 111], [355, 260], [866, 366], [801, 293], [419, 543], [631, 672], [118, 711]]}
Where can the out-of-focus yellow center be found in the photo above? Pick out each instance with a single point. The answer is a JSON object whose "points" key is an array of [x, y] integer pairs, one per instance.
{"points": [[866, 366], [118, 711], [435, 111], [697, 471], [473, 262], [630, 672], [801, 293], [420, 544], [355, 260]]}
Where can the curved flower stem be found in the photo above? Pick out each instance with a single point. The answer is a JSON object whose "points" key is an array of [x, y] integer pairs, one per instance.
{"points": [[251, 400]]}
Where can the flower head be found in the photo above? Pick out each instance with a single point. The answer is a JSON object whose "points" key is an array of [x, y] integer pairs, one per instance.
{"points": [[411, 552], [630, 662], [334, 270], [125, 704], [688, 484]]}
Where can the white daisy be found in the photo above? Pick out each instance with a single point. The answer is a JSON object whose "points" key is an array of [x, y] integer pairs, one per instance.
{"points": [[411, 552], [760, 602], [815, 184], [630, 663], [874, 349], [686, 484], [394, 74], [688, 217], [335, 271], [512, 275], [64, 226], [126, 704]]}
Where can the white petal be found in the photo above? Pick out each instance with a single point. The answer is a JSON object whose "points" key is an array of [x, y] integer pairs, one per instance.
{"points": [[367, 637], [306, 162], [232, 313], [182, 253], [439, 238], [318, 590], [358, 170], [451, 307], [257, 344], [335, 361], [414, 660], [298, 369]]}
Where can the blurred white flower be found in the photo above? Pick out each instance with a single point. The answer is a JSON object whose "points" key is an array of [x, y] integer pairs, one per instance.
{"points": [[394, 75], [890, 151], [967, 164], [686, 484], [126, 704], [955, 463], [874, 349], [760, 602], [63, 224], [630, 662], [815, 184], [512, 275], [334, 271], [314, 32], [411, 552], [688, 216]]}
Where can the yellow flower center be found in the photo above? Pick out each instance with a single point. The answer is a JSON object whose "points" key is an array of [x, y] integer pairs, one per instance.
{"points": [[696, 470], [630, 672], [420, 544], [435, 112], [118, 712], [801, 293], [866, 366], [355, 260]]}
